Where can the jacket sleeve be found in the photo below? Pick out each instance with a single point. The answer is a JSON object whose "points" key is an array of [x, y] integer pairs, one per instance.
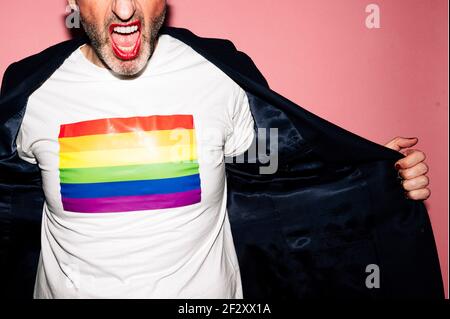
{"points": [[6, 77], [21, 201], [246, 64]]}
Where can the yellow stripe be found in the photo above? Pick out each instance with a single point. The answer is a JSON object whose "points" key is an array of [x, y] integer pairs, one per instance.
{"points": [[136, 156], [139, 139]]}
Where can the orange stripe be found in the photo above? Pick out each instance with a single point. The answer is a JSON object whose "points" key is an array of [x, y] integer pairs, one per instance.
{"points": [[149, 140]]}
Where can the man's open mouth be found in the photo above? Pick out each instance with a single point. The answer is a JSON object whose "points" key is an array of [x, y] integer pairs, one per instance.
{"points": [[126, 39]]}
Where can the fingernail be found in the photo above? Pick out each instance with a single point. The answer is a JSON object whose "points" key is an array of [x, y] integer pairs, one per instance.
{"points": [[397, 166]]}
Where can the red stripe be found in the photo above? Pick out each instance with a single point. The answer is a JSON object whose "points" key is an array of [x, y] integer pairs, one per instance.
{"points": [[125, 125]]}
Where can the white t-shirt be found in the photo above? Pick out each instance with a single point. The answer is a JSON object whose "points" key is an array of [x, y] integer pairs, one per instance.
{"points": [[134, 177]]}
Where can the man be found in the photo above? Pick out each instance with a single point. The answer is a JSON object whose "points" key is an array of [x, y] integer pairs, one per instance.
{"points": [[127, 134]]}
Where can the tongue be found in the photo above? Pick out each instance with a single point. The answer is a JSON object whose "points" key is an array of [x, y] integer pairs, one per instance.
{"points": [[128, 40]]}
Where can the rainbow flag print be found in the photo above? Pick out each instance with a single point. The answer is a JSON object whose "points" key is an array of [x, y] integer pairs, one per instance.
{"points": [[129, 164]]}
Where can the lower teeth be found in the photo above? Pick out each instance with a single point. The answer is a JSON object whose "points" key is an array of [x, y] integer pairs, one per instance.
{"points": [[125, 49]]}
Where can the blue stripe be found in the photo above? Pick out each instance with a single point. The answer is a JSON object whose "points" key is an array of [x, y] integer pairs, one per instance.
{"points": [[147, 187]]}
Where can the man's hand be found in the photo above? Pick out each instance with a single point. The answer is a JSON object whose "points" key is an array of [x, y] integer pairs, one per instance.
{"points": [[412, 168]]}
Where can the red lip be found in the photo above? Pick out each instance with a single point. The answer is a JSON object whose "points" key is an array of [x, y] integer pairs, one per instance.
{"points": [[126, 55]]}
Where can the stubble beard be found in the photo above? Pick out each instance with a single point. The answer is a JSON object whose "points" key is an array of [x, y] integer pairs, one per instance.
{"points": [[101, 43]]}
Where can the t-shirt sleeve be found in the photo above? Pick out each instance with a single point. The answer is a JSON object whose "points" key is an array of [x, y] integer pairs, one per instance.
{"points": [[241, 128], [24, 149]]}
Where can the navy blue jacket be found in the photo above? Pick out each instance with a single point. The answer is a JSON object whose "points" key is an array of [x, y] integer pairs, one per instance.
{"points": [[333, 207]]}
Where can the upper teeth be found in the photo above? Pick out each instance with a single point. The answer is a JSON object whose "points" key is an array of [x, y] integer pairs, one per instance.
{"points": [[126, 30]]}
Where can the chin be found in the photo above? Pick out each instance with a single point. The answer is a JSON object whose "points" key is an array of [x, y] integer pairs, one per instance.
{"points": [[127, 68]]}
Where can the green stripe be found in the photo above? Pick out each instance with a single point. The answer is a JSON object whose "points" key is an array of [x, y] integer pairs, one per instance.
{"points": [[127, 173]]}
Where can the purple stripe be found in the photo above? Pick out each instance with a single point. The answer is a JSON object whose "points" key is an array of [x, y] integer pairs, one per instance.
{"points": [[131, 203]]}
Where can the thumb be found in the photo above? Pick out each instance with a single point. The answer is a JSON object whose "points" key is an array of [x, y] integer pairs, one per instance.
{"points": [[399, 143]]}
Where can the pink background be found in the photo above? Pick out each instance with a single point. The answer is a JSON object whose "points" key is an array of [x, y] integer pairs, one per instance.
{"points": [[378, 83]]}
